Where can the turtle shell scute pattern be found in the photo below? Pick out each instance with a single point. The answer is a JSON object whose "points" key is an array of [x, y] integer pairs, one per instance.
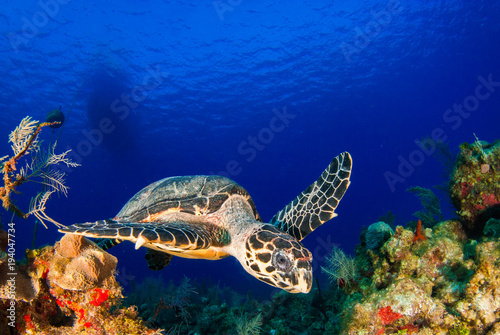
{"points": [[197, 195]]}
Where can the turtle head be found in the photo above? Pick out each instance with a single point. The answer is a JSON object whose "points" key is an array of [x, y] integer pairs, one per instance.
{"points": [[278, 259]]}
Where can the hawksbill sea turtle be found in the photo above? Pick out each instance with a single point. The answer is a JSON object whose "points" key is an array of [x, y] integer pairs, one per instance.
{"points": [[212, 217]]}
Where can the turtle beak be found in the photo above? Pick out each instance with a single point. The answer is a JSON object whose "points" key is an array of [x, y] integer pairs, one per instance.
{"points": [[298, 280], [302, 277]]}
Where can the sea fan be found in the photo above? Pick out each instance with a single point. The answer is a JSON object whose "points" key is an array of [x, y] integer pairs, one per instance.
{"points": [[248, 326], [37, 208], [431, 215], [38, 167], [23, 134], [180, 299], [340, 267]]}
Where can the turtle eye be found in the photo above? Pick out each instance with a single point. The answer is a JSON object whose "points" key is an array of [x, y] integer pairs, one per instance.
{"points": [[281, 261]]}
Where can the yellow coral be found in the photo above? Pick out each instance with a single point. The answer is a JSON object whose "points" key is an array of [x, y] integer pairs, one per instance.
{"points": [[19, 286], [25, 289]]}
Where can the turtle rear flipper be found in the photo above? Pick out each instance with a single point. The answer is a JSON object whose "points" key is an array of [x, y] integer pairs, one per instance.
{"points": [[157, 260], [176, 236], [317, 203]]}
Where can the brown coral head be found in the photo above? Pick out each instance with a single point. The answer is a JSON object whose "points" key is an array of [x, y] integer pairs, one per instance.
{"points": [[485, 168], [80, 264], [71, 245]]}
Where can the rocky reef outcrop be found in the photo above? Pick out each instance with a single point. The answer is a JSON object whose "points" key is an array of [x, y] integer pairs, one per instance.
{"points": [[439, 280], [68, 288], [444, 283], [475, 184]]}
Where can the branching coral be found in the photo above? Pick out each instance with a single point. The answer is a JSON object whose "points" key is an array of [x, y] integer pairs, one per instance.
{"points": [[161, 304], [431, 214], [24, 142], [180, 299], [479, 147], [340, 267], [418, 233], [248, 326]]}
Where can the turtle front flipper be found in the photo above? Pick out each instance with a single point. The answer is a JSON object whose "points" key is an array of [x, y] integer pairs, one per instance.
{"points": [[316, 204], [107, 243], [176, 236]]}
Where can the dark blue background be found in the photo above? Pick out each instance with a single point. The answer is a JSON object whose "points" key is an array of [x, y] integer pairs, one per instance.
{"points": [[369, 77]]}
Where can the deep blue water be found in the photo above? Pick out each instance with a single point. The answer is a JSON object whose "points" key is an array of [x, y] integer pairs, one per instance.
{"points": [[265, 93]]}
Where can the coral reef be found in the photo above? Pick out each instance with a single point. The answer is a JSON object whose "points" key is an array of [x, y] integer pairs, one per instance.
{"points": [[428, 286], [19, 287], [76, 292], [443, 279], [475, 184]]}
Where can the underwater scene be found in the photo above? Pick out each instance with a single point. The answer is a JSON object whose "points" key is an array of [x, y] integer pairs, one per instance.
{"points": [[234, 167]]}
